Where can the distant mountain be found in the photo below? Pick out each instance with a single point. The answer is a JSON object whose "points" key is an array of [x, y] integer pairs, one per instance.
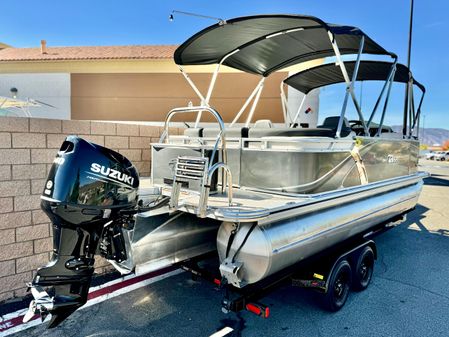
{"points": [[429, 136]]}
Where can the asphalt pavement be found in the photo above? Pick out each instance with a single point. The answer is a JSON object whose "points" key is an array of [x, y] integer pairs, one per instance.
{"points": [[408, 296]]}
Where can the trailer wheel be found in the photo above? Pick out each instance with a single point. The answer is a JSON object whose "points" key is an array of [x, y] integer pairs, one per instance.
{"points": [[339, 286], [364, 267]]}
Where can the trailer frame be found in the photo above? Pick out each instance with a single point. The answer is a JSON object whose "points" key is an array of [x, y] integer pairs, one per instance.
{"points": [[314, 273]]}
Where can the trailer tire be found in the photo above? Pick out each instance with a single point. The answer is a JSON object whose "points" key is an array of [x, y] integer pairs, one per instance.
{"points": [[339, 286], [363, 271]]}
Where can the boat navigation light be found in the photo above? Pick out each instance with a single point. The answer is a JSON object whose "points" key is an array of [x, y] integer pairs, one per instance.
{"points": [[171, 17]]}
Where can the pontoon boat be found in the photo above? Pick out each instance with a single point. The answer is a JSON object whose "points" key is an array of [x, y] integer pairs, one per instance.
{"points": [[265, 196]]}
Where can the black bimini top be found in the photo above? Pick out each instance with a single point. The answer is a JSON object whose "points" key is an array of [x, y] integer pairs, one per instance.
{"points": [[266, 43], [327, 74]]}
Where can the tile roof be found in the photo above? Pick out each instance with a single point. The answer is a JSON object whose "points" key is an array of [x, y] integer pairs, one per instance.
{"points": [[88, 53]]}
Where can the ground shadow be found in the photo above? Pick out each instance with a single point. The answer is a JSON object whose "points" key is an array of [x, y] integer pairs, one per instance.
{"points": [[416, 216], [434, 181]]}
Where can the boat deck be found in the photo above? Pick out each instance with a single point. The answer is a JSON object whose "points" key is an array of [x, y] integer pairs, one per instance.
{"points": [[250, 205], [247, 205]]}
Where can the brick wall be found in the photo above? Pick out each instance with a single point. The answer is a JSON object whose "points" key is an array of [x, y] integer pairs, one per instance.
{"points": [[27, 149]]}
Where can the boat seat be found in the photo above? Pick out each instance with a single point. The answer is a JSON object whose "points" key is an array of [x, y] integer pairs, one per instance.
{"points": [[237, 132], [332, 123], [290, 132], [193, 132], [263, 123], [328, 129]]}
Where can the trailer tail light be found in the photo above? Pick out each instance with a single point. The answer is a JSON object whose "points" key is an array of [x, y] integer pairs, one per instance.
{"points": [[267, 312], [258, 309], [254, 309], [217, 281]]}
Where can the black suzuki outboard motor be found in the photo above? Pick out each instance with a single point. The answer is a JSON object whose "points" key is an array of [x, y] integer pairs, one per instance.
{"points": [[89, 192]]}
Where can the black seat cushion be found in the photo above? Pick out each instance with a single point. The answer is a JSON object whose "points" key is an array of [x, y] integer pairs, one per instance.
{"points": [[332, 123], [289, 132], [235, 132]]}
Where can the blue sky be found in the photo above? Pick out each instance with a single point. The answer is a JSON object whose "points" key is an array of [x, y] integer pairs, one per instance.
{"points": [[81, 23]]}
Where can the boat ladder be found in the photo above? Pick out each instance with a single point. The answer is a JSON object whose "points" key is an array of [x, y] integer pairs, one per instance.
{"points": [[190, 169], [198, 169]]}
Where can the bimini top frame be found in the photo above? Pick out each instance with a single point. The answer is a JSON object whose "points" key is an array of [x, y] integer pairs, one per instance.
{"points": [[263, 44], [327, 74]]}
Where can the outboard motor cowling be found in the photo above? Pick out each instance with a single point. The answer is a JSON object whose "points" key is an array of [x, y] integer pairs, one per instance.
{"points": [[88, 194]]}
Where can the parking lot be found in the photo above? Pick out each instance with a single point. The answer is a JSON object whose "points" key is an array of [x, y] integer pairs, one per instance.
{"points": [[408, 295]]}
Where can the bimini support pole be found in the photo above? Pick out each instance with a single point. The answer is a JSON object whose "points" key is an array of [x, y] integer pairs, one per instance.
{"points": [[418, 113], [212, 85], [349, 83], [245, 105], [354, 78], [411, 109], [379, 130], [284, 104], [387, 81], [298, 112], [256, 100], [194, 87], [417, 127]]}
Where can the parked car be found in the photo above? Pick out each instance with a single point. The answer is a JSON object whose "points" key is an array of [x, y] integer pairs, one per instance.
{"points": [[442, 155], [431, 155]]}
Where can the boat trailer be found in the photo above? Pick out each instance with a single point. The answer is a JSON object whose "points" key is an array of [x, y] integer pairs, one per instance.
{"points": [[332, 274]]}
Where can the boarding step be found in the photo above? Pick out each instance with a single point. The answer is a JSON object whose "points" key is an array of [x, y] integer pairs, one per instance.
{"points": [[188, 169], [191, 168]]}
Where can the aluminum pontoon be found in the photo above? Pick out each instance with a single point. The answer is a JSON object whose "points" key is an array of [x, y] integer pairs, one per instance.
{"points": [[265, 197]]}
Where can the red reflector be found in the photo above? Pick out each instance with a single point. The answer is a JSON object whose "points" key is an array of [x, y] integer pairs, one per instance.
{"points": [[267, 312], [254, 309], [217, 281]]}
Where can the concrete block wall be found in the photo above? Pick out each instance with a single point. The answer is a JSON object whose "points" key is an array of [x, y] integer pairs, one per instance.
{"points": [[27, 149]]}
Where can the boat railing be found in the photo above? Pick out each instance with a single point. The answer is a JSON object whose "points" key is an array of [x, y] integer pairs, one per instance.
{"points": [[209, 171], [202, 207], [220, 137]]}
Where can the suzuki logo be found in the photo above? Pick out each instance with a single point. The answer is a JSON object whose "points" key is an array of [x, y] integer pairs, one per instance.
{"points": [[111, 173]]}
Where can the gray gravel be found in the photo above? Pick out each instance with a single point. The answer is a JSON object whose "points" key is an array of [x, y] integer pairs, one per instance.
{"points": [[408, 296]]}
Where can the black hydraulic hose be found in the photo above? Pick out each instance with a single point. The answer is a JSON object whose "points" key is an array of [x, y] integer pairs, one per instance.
{"points": [[158, 203]]}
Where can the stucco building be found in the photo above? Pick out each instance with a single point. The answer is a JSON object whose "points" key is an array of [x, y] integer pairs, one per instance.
{"points": [[124, 83]]}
